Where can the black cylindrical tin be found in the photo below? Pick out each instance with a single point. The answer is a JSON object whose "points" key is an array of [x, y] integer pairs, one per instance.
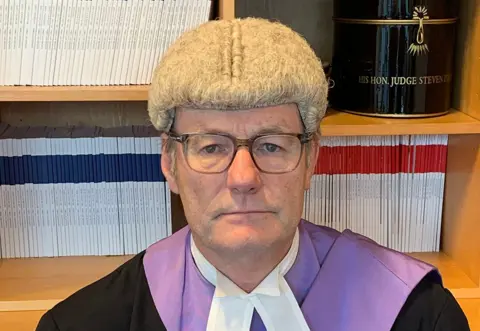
{"points": [[393, 58]]}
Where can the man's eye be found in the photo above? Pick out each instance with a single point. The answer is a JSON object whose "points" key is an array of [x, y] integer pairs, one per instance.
{"points": [[271, 148], [210, 149]]}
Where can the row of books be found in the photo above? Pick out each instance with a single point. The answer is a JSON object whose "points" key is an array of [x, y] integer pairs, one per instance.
{"points": [[388, 188], [90, 42], [85, 191], [94, 191]]}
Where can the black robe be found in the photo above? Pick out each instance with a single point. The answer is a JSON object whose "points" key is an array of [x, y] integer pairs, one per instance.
{"points": [[121, 301]]}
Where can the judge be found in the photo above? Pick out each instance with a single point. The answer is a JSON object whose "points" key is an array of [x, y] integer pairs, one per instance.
{"points": [[238, 104]]}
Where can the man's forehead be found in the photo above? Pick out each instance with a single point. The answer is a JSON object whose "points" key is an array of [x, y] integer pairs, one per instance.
{"points": [[283, 118]]}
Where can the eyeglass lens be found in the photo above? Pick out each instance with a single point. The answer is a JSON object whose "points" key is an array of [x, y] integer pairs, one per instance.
{"points": [[272, 153]]}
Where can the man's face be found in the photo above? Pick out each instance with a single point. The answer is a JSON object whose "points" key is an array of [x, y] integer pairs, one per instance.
{"points": [[242, 207]]}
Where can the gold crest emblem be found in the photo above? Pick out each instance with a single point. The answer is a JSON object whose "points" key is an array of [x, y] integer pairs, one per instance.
{"points": [[420, 13]]}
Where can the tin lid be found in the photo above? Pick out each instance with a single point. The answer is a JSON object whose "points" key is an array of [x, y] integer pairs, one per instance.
{"points": [[395, 9]]}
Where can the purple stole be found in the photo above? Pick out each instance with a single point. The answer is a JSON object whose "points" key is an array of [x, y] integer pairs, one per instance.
{"points": [[350, 283]]}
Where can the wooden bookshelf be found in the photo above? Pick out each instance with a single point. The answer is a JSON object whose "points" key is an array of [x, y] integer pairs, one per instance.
{"points": [[345, 124], [227, 9], [38, 283], [33, 284], [28, 320], [20, 320], [30, 286], [73, 93], [336, 123]]}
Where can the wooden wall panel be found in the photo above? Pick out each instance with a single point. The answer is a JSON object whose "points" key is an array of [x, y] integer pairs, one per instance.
{"points": [[461, 224], [310, 18], [472, 311], [466, 96], [461, 220], [20, 321], [226, 9]]}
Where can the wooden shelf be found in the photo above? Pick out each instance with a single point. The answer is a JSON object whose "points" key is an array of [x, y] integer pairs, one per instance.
{"points": [[471, 308], [74, 93], [39, 283], [28, 320], [20, 320], [34, 284], [453, 276], [335, 123], [344, 124]]}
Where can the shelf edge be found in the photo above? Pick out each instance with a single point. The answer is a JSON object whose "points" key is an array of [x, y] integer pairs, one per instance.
{"points": [[27, 305], [73, 93]]}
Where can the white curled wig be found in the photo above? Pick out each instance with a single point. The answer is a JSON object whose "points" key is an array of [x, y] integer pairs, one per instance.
{"points": [[238, 64]]}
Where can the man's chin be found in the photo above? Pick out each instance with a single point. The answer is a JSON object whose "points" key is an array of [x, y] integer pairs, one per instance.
{"points": [[243, 236], [237, 244]]}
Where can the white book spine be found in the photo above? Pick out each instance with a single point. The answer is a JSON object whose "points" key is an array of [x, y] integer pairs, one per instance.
{"points": [[53, 40], [27, 48], [3, 35], [22, 203], [3, 205], [198, 15], [148, 35], [175, 28], [115, 216], [10, 231], [93, 213], [8, 190], [97, 196], [18, 42], [9, 43], [158, 8], [44, 36], [79, 53], [167, 21], [133, 49], [102, 40], [90, 47], [114, 17], [39, 58], [75, 35], [119, 38], [158, 43], [127, 40], [58, 53], [67, 41], [86, 61], [190, 8], [94, 45]]}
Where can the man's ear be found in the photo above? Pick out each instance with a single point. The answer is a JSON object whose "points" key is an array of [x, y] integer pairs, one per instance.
{"points": [[313, 157], [168, 166]]}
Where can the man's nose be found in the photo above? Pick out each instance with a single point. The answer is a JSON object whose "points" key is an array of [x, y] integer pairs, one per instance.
{"points": [[243, 174]]}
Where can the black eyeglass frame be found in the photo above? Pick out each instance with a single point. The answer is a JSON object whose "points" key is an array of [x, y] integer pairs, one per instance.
{"points": [[238, 142]]}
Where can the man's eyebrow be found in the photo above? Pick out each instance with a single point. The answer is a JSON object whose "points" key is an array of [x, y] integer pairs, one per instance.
{"points": [[272, 129]]}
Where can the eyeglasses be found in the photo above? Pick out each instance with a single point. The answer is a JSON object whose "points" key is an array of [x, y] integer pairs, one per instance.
{"points": [[214, 153]]}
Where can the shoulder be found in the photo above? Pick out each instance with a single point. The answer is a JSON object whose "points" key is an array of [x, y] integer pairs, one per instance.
{"points": [[431, 307], [410, 290], [109, 303], [428, 305], [365, 255]]}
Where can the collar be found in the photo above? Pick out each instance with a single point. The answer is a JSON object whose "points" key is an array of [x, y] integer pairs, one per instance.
{"points": [[225, 287], [233, 309]]}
